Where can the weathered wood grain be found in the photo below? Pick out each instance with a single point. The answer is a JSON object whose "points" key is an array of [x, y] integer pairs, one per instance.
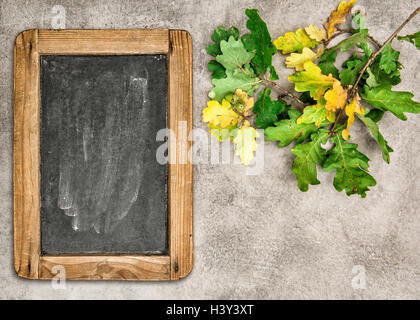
{"points": [[107, 267], [181, 173], [26, 159], [150, 41]]}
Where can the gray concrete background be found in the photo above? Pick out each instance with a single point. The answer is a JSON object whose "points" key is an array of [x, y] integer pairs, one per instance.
{"points": [[255, 236]]}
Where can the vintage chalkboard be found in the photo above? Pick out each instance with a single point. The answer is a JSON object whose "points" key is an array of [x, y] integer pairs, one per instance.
{"points": [[89, 194], [102, 190]]}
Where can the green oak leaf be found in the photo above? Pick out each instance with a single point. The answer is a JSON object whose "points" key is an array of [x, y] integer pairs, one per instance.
{"points": [[389, 59], [326, 63], [376, 114], [360, 20], [412, 38], [284, 114], [357, 38], [365, 47], [267, 109], [371, 79], [259, 41], [354, 65], [398, 102], [352, 68], [382, 77], [218, 70], [287, 130], [307, 156], [351, 167], [234, 55], [273, 73], [370, 122], [247, 81], [220, 34]]}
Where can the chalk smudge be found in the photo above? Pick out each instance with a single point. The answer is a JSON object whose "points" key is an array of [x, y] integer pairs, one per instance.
{"points": [[101, 158]]}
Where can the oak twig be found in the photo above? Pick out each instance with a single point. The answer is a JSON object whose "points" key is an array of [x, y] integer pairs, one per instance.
{"points": [[378, 44], [285, 91], [371, 59]]}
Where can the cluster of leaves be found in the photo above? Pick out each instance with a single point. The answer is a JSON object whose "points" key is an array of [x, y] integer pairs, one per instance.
{"points": [[243, 65]]}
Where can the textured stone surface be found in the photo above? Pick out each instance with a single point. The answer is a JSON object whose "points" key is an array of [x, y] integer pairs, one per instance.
{"points": [[255, 236]]}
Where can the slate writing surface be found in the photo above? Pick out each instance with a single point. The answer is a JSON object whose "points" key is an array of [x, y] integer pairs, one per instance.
{"points": [[102, 190]]}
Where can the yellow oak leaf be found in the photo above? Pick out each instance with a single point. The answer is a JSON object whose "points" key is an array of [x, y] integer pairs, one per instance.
{"points": [[353, 107], [294, 42], [245, 143], [331, 116], [220, 115], [312, 80], [313, 114], [338, 16], [336, 97], [245, 103], [316, 33], [296, 60], [316, 114]]}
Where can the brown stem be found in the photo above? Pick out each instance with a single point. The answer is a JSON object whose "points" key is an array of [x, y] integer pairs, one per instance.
{"points": [[378, 44], [371, 59], [285, 91]]}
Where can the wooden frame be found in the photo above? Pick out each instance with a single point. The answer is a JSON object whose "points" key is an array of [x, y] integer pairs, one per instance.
{"points": [[28, 261]]}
